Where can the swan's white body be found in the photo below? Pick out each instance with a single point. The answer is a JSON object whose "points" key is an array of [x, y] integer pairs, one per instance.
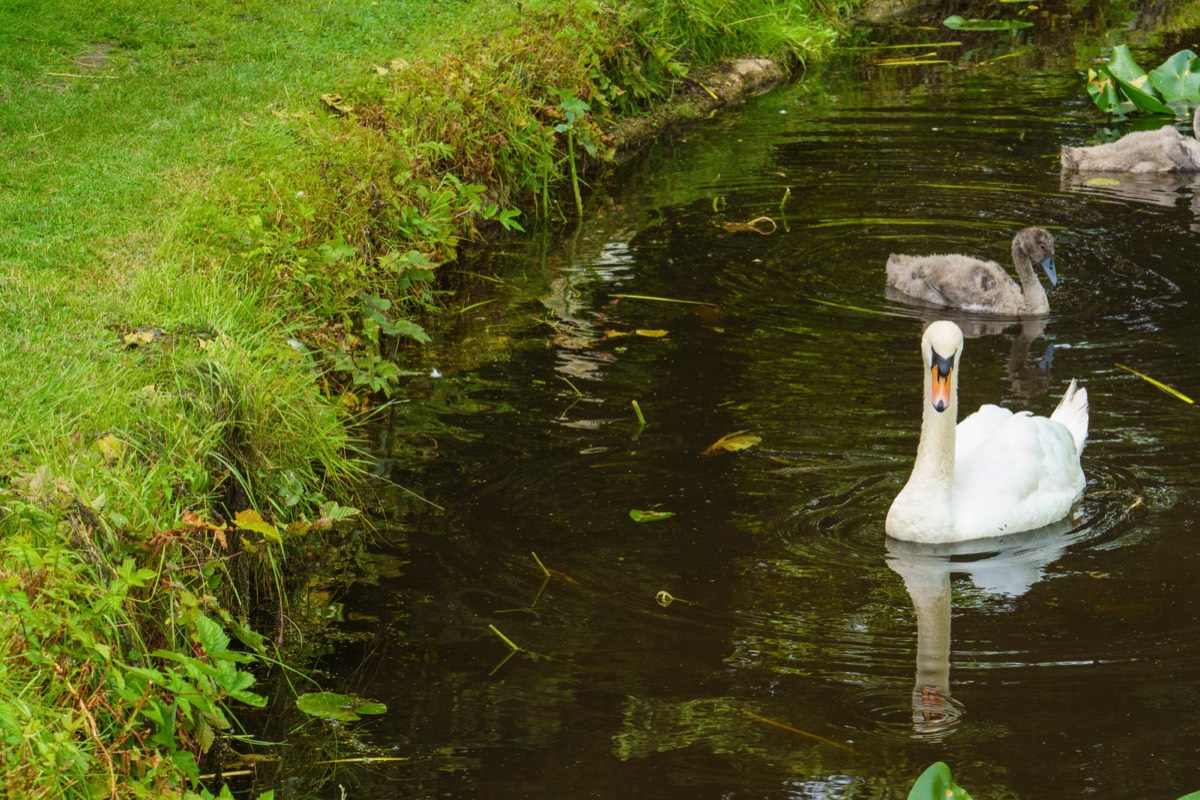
{"points": [[994, 473], [1163, 150], [958, 281]]}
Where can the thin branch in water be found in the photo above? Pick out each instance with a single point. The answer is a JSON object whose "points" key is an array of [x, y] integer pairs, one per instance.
{"points": [[799, 732]]}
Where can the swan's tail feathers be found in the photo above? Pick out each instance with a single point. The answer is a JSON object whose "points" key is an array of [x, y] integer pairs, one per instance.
{"points": [[1072, 411]]}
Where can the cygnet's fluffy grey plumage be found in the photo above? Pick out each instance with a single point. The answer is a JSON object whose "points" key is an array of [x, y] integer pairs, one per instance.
{"points": [[1163, 150], [959, 281]]}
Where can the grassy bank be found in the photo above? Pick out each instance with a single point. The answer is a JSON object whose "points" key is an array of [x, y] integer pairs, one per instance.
{"points": [[221, 226]]}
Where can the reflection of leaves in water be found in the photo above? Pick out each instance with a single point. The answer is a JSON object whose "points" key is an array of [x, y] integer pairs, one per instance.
{"points": [[659, 726]]}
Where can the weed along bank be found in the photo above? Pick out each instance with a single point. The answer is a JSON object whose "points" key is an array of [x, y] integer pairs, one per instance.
{"points": [[226, 229]]}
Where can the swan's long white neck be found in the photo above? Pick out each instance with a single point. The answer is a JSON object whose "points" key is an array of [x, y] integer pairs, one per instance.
{"points": [[933, 469]]}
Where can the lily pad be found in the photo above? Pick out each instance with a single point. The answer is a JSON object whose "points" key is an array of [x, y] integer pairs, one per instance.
{"points": [[1146, 101], [1122, 64], [649, 516], [957, 23], [1105, 94], [1178, 78], [337, 707], [936, 783]]}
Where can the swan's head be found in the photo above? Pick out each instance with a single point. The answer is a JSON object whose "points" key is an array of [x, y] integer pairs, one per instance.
{"points": [[1038, 246], [941, 347]]}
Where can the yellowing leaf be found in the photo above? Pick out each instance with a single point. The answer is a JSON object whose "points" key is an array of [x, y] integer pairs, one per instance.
{"points": [[336, 104], [141, 336], [732, 442], [249, 520], [651, 334], [1103, 182]]}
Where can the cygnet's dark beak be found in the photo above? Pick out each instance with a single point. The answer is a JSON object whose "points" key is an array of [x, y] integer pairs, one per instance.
{"points": [[940, 370], [1051, 272]]}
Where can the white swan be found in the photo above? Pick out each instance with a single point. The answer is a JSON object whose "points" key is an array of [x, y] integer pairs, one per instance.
{"points": [[1163, 150], [958, 281], [994, 473]]}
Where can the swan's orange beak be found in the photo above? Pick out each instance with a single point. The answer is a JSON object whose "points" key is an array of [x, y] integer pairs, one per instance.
{"points": [[941, 388], [940, 371]]}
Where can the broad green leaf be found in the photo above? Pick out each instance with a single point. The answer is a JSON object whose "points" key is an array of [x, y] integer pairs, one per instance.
{"points": [[1122, 65], [957, 23], [1143, 100], [936, 783], [1178, 78], [1105, 94], [210, 634], [649, 516], [339, 707]]}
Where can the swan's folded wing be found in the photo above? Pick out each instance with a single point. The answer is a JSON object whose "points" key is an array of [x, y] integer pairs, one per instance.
{"points": [[1022, 474], [968, 282], [977, 427]]}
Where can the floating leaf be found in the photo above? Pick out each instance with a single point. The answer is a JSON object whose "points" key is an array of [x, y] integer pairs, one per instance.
{"points": [[250, 520], [936, 783], [1102, 182], [732, 442], [339, 707], [1178, 78], [957, 23], [649, 516], [651, 333]]}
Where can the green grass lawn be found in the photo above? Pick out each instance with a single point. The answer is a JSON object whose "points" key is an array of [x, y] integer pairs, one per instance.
{"points": [[121, 124], [198, 258]]}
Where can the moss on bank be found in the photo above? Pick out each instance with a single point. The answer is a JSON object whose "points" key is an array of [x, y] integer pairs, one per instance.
{"points": [[221, 230]]}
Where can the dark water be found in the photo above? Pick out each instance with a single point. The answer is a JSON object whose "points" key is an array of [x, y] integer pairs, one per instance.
{"points": [[1062, 663]]}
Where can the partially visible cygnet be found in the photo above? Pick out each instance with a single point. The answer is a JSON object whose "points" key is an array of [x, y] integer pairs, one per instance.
{"points": [[1163, 150], [959, 281]]}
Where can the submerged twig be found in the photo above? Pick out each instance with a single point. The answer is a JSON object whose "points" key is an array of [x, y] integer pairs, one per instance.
{"points": [[799, 732], [757, 225], [664, 299]]}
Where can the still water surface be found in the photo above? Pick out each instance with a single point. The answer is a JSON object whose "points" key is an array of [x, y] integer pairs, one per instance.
{"points": [[805, 655]]}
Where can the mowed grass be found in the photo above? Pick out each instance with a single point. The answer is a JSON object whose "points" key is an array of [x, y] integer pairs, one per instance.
{"points": [[121, 124]]}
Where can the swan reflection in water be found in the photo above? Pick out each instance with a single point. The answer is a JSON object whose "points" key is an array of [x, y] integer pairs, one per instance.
{"points": [[1004, 568], [1164, 189]]}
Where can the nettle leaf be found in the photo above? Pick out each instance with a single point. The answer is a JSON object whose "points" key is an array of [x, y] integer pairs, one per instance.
{"points": [[211, 635], [1178, 78]]}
